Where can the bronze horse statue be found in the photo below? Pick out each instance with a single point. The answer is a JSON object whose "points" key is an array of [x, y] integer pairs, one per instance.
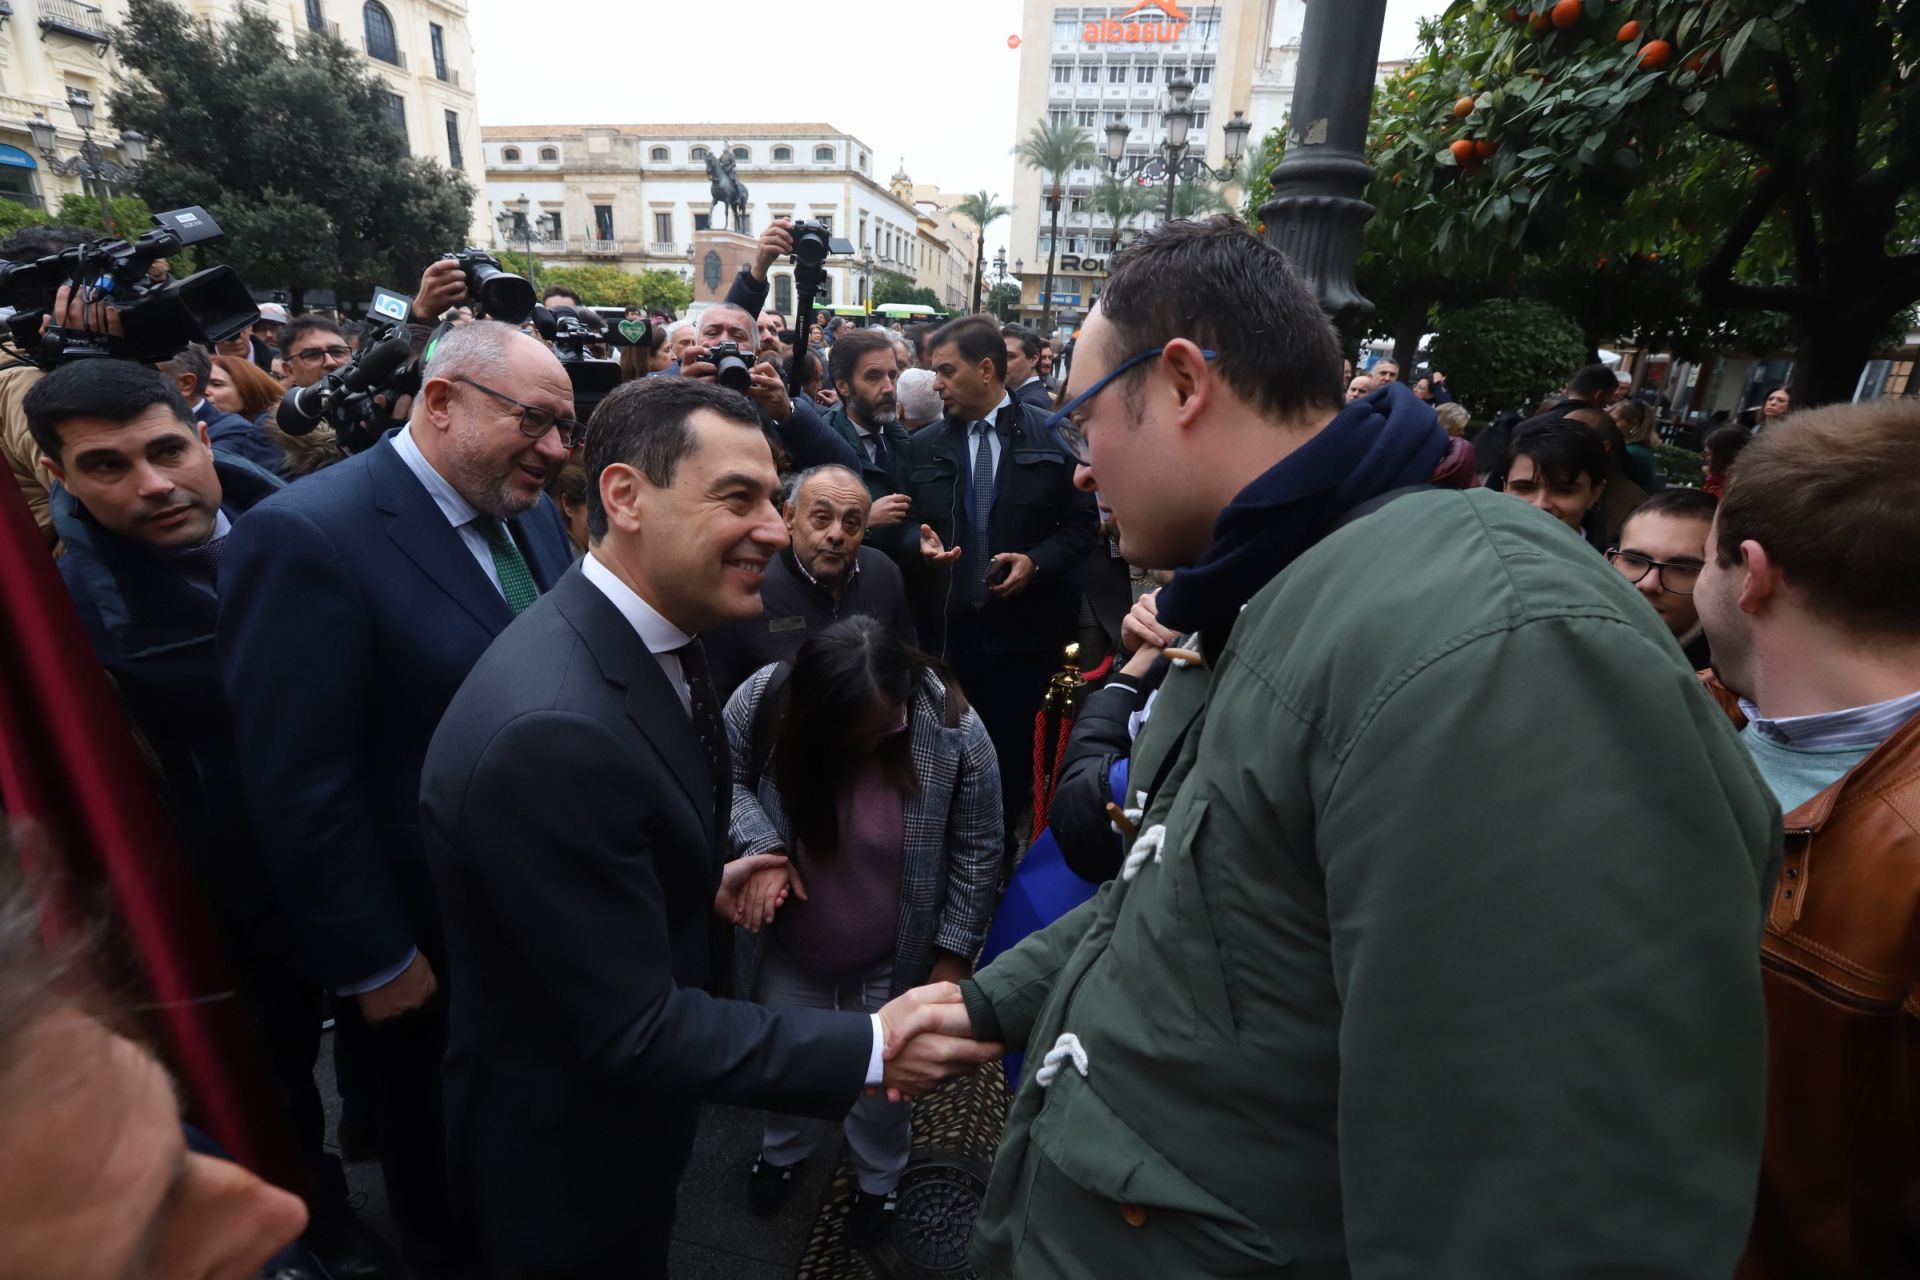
{"points": [[727, 188]]}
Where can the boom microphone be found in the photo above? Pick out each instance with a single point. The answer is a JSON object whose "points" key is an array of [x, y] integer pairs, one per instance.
{"points": [[304, 408]]}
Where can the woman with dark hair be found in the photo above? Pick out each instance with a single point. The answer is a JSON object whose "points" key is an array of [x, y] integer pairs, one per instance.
{"points": [[874, 777], [243, 387], [1638, 424], [1719, 451]]}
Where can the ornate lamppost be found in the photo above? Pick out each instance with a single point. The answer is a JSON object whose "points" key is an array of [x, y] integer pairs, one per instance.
{"points": [[1177, 158], [1319, 208], [515, 223], [91, 164]]}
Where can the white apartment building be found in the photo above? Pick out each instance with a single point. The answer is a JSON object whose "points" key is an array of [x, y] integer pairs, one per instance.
{"points": [[633, 196], [52, 49]]}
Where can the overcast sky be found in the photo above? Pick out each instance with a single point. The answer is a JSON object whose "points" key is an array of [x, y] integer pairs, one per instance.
{"points": [[931, 83]]}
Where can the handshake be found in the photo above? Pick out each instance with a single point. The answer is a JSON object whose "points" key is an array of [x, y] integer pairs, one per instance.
{"points": [[929, 1037]]}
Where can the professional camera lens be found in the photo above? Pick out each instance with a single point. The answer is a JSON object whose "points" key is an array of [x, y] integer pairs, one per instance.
{"points": [[503, 295], [809, 246], [733, 372]]}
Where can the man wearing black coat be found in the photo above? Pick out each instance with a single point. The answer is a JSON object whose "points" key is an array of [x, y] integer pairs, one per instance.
{"points": [[576, 800], [995, 590], [143, 506], [1023, 367]]}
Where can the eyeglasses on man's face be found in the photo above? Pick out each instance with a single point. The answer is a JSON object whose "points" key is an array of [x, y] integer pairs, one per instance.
{"points": [[1679, 578], [1071, 435], [314, 355], [535, 422]]}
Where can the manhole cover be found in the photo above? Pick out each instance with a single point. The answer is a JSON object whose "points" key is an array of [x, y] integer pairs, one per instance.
{"points": [[940, 1195]]}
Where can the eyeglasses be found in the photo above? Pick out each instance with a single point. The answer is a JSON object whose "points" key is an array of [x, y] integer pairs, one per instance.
{"points": [[314, 355], [1677, 578], [1069, 433], [536, 422]]}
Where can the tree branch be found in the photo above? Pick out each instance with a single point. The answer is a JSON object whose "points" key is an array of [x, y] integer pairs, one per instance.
{"points": [[1717, 283]]}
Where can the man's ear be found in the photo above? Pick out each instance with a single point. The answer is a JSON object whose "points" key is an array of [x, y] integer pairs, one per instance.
{"points": [[436, 402], [53, 468], [190, 390], [1763, 580], [1187, 372], [625, 496], [200, 429]]}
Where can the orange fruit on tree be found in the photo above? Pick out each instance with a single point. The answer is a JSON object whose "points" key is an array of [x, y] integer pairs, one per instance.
{"points": [[1655, 55], [1697, 61], [1463, 151], [1463, 108], [1513, 16], [1484, 148], [1567, 12], [1630, 32], [1540, 23]]}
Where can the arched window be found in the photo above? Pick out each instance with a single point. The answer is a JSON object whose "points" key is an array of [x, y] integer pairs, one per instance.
{"points": [[509, 155], [782, 155], [549, 155], [660, 155], [379, 29], [823, 155], [742, 153], [863, 162], [698, 155]]}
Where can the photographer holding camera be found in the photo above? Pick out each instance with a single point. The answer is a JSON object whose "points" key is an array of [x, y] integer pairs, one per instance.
{"points": [[723, 351]]}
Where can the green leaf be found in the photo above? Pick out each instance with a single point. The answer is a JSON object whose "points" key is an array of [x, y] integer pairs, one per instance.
{"points": [[1627, 158], [1595, 8], [1692, 103], [1686, 25], [1738, 45]]}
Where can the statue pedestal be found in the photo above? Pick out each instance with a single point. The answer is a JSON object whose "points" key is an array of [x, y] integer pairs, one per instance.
{"points": [[717, 259]]}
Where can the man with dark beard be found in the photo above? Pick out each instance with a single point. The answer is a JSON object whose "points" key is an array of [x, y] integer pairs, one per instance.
{"points": [[865, 372], [351, 608]]}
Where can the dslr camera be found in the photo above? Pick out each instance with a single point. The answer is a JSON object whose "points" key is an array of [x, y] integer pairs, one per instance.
{"points": [[732, 368], [156, 317], [500, 294]]}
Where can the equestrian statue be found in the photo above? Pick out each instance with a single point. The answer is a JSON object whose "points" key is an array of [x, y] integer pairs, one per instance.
{"points": [[727, 188]]}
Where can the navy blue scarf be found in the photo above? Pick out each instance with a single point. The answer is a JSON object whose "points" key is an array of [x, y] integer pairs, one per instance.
{"points": [[1385, 441]]}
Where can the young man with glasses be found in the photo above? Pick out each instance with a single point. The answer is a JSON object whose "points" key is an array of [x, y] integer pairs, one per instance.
{"points": [[313, 347], [351, 608], [1331, 1015], [1663, 544]]}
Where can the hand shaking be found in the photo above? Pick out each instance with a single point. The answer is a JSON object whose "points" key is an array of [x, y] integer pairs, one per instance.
{"points": [[929, 1041]]}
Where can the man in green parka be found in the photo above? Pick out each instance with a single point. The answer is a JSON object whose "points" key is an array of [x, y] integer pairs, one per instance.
{"points": [[1417, 967]]}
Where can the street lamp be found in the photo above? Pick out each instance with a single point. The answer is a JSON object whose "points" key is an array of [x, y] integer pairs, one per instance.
{"points": [[514, 223], [866, 272], [91, 164], [1171, 162], [1319, 209]]}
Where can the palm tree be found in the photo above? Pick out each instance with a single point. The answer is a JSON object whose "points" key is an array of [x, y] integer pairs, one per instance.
{"points": [[1055, 148], [1119, 201], [980, 209], [1196, 198]]}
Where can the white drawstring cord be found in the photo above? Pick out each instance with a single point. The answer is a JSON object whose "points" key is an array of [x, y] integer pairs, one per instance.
{"points": [[1147, 846], [1066, 1047]]}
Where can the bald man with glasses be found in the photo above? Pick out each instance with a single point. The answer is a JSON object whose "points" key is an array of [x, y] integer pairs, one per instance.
{"points": [[350, 611]]}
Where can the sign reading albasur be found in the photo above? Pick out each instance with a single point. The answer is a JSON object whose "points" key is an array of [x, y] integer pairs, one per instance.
{"points": [[1171, 27]]}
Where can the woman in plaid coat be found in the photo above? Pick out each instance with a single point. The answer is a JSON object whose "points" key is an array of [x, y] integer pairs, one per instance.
{"points": [[878, 782]]}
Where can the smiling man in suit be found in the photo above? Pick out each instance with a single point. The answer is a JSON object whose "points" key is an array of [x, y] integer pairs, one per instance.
{"points": [[351, 608], [576, 800]]}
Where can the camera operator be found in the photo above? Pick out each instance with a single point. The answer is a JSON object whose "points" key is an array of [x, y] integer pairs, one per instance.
{"points": [[17, 375], [808, 441]]}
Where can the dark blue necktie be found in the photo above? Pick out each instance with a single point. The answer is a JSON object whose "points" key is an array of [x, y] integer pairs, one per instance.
{"points": [[201, 565], [982, 510], [879, 450]]}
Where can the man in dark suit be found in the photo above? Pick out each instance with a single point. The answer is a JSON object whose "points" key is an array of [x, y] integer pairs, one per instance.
{"points": [[142, 506], [228, 432], [1023, 378], [865, 373], [351, 608], [1000, 607], [576, 799]]}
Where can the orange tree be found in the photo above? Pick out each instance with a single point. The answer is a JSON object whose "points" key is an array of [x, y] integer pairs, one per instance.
{"points": [[1760, 148]]}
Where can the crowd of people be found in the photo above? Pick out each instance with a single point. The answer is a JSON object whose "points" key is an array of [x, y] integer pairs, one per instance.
{"points": [[1507, 854]]}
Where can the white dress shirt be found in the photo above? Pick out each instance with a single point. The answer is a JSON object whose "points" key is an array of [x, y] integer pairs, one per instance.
{"points": [[993, 437], [661, 638], [469, 523]]}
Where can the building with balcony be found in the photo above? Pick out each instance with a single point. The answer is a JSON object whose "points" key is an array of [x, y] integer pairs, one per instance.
{"points": [[1107, 64], [632, 196], [52, 50]]}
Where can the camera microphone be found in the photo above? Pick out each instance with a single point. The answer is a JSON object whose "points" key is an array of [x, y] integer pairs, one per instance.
{"points": [[305, 408]]}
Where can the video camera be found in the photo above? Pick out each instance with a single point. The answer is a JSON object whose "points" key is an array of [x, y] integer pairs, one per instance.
{"points": [[357, 399], [592, 376], [813, 244], [500, 294], [155, 318]]}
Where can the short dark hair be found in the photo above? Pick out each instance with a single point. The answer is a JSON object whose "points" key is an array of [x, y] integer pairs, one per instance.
{"points": [[977, 337], [559, 291], [1561, 450], [300, 326], [1029, 340], [117, 390], [647, 425], [38, 242], [1681, 504], [189, 359], [1723, 445], [1215, 283], [1592, 380], [1833, 494], [850, 350]]}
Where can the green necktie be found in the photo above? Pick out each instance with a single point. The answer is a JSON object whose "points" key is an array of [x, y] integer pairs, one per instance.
{"points": [[516, 580]]}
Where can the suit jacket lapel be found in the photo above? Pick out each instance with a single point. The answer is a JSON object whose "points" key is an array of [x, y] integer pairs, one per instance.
{"points": [[421, 530], [650, 701]]}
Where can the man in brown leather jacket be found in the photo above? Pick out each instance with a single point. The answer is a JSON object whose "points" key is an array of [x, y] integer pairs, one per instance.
{"points": [[1811, 598]]}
